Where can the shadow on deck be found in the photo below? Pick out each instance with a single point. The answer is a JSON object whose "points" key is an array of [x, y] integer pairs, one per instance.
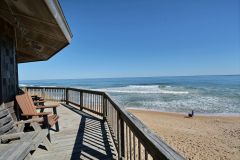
{"points": [[81, 136]]}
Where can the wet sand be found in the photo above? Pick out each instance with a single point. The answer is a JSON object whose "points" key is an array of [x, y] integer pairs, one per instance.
{"points": [[200, 137]]}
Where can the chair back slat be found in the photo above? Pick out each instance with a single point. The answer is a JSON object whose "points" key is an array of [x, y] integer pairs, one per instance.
{"points": [[6, 121], [26, 104], [3, 111]]}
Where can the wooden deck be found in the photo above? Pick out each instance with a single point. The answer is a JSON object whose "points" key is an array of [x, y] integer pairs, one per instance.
{"points": [[81, 136]]}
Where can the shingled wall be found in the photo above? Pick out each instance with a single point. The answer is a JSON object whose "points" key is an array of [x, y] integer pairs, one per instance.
{"points": [[8, 65]]}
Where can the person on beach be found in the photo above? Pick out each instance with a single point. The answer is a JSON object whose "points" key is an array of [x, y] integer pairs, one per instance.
{"points": [[191, 114]]}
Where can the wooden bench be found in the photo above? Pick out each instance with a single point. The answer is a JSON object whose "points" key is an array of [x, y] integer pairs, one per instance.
{"points": [[29, 110], [16, 144]]}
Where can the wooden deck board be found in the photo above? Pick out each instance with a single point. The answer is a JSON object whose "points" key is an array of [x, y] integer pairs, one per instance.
{"points": [[81, 136]]}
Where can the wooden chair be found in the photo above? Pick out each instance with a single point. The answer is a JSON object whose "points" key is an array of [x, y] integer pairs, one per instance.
{"points": [[38, 101], [29, 110], [16, 144]]}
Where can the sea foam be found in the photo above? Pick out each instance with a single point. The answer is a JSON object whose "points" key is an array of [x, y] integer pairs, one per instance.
{"points": [[143, 89]]}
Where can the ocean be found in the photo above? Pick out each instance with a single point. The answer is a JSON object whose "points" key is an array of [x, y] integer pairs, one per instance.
{"points": [[203, 94]]}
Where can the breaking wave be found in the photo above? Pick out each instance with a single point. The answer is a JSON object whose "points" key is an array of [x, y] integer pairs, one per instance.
{"points": [[144, 89], [23, 85], [201, 104]]}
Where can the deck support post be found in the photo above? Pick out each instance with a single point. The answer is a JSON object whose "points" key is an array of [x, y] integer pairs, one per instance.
{"points": [[43, 94], [81, 100], [66, 96], [104, 103], [121, 149]]}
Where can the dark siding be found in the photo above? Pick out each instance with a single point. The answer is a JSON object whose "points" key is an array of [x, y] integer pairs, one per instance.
{"points": [[8, 66]]}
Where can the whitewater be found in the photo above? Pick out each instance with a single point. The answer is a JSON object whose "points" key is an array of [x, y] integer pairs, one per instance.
{"points": [[203, 94]]}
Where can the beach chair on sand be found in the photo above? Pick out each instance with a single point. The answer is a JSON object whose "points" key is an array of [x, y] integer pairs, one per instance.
{"points": [[29, 110], [16, 144]]}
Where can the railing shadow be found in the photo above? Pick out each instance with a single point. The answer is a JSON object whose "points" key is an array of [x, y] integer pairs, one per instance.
{"points": [[93, 139]]}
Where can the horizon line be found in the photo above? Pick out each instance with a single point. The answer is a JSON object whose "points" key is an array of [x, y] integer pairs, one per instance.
{"points": [[132, 77]]}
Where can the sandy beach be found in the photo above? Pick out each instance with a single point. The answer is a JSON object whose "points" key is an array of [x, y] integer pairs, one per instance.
{"points": [[200, 137]]}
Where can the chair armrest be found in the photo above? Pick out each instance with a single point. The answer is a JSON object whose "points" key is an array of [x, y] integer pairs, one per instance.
{"points": [[37, 114], [36, 96], [39, 101], [50, 106]]}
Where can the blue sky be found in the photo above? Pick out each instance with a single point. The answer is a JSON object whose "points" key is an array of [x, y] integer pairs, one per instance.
{"points": [[141, 38]]}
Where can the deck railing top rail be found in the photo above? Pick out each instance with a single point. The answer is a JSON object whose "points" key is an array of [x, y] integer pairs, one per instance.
{"points": [[131, 137]]}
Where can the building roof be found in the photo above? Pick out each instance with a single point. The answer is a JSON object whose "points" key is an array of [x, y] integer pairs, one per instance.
{"points": [[41, 28]]}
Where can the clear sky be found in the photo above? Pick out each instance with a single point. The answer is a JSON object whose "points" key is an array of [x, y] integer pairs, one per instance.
{"points": [[140, 38]]}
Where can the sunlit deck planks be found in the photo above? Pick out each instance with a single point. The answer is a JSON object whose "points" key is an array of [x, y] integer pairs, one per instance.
{"points": [[86, 137], [81, 136]]}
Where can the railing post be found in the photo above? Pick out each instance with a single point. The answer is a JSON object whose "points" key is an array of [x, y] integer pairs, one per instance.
{"points": [[66, 95], [121, 147], [43, 93], [104, 103], [81, 100], [25, 89]]}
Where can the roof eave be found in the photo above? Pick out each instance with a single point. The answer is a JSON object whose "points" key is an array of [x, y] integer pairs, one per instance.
{"points": [[56, 10]]}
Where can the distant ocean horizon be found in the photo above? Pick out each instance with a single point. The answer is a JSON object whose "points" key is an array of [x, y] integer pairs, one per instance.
{"points": [[217, 94]]}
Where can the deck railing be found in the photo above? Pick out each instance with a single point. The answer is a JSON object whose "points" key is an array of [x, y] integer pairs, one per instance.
{"points": [[132, 139]]}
